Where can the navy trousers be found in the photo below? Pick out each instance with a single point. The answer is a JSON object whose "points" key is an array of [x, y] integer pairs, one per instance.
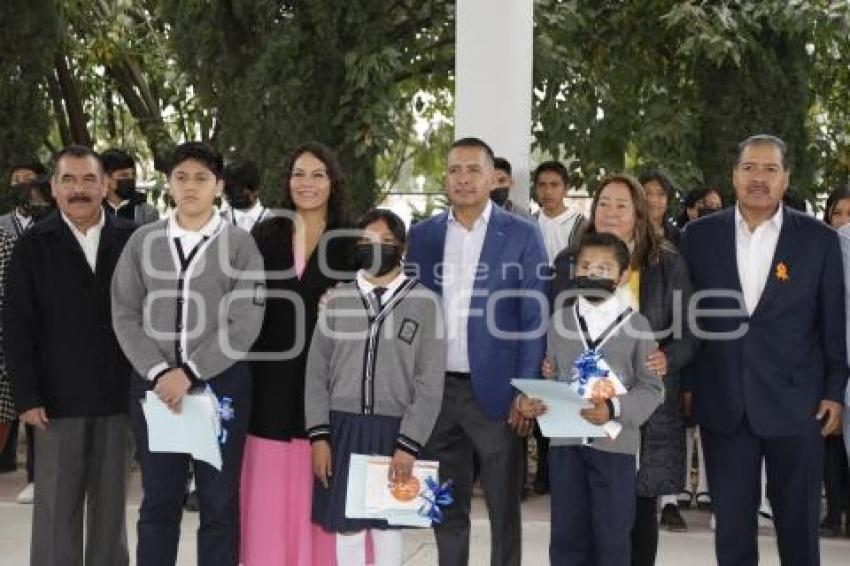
{"points": [[794, 469], [593, 506], [164, 478]]}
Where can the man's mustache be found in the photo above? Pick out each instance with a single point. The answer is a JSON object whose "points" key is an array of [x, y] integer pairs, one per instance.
{"points": [[79, 198]]}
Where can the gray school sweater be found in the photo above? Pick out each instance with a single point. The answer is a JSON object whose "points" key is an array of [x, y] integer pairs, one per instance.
{"points": [[625, 352], [391, 364], [204, 320]]}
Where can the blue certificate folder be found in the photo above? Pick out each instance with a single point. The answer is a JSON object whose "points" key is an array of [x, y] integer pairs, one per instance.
{"points": [[563, 405]]}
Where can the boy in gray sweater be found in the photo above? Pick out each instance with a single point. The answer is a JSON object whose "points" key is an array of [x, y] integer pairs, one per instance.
{"points": [[374, 383], [593, 481]]}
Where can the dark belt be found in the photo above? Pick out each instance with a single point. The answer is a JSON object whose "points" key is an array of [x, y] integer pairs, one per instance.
{"points": [[466, 376]]}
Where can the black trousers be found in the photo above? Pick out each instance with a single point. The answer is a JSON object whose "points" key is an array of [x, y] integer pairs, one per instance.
{"points": [[645, 532], [164, 482], [462, 430], [593, 506], [836, 481], [794, 469]]}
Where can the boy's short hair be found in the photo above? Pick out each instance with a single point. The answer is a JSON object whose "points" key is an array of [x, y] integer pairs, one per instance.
{"points": [[603, 240], [503, 164], [198, 151], [116, 159], [242, 173], [390, 218], [33, 165]]}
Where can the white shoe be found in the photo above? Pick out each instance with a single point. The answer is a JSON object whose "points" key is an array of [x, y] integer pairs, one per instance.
{"points": [[27, 494]]}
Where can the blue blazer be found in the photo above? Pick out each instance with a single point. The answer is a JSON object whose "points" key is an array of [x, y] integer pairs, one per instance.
{"points": [[793, 353], [513, 258]]}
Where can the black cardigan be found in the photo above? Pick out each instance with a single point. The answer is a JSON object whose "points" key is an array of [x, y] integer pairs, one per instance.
{"points": [[277, 410], [61, 351]]}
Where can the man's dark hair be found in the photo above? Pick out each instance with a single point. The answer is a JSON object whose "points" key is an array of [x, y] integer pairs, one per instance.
{"points": [[662, 179], [555, 167], [609, 241], [77, 152], [764, 139], [242, 173], [33, 165], [198, 151], [117, 159], [477, 143], [390, 218], [338, 215], [503, 164]]}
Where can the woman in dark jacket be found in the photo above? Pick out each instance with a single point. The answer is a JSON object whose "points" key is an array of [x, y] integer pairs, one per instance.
{"points": [[661, 288], [304, 257]]}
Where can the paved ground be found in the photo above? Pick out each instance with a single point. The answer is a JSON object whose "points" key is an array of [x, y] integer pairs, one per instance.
{"points": [[694, 548]]}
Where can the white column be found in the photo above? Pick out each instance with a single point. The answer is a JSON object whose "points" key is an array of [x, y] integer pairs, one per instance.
{"points": [[493, 80]]}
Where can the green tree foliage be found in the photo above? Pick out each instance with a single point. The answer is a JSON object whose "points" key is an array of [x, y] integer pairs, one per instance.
{"points": [[280, 73]]}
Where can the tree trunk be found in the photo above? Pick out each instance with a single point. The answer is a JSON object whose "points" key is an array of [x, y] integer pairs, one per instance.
{"points": [[78, 124]]}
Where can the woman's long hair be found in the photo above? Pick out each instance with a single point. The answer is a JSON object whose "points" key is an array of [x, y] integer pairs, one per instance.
{"points": [[648, 246], [339, 212], [832, 201]]}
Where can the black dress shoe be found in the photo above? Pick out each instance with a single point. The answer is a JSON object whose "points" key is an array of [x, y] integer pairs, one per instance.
{"points": [[703, 500], [672, 520]]}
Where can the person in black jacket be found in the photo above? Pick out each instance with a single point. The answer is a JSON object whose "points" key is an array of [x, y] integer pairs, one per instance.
{"points": [[304, 258], [68, 374], [659, 283]]}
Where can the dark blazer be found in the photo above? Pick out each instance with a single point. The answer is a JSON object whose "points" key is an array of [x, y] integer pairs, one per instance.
{"points": [[514, 259], [61, 351], [664, 286], [793, 353], [277, 410]]}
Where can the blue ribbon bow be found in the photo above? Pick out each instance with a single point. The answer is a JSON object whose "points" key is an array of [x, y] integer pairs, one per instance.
{"points": [[587, 367], [226, 413], [435, 496]]}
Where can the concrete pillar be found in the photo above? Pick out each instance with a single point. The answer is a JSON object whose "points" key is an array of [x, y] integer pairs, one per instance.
{"points": [[493, 80]]}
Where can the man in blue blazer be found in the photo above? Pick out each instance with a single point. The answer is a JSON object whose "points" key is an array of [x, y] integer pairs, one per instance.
{"points": [[490, 268], [769, 380]]}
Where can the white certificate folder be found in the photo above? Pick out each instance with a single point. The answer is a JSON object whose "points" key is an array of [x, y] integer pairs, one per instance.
{"points": [[369, 495], [563, 406], [194, 430]]}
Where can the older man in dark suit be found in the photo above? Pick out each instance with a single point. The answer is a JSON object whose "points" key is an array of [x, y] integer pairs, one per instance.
{"points": [[69, 377], [769, 380]]}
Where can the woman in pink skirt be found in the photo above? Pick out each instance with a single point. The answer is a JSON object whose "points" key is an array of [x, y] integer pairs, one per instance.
{"points": [[303, 259]]}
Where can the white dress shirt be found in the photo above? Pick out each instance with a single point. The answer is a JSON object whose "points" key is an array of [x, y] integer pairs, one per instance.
{"points": [[754, 251], [89, 241], [600, 316], [460, 264], [556, 231], [247, 219], [366, 287]]}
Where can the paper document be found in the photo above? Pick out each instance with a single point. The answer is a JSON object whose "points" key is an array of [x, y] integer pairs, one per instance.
{"points": [[194, 430], [563, 406], [370, 496]]}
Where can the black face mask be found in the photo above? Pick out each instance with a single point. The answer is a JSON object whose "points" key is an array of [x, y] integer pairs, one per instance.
{"points": [[238, 198], [598, 288], [499, 195], [21, 194], [705, 211], [38, 211], [125, 188], [389, 259]]}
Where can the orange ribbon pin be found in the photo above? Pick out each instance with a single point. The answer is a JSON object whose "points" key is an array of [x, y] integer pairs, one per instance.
{"points": [[782, 272]]}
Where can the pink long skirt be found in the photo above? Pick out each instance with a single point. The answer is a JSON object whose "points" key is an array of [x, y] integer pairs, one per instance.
{"points": [[277, 493]]}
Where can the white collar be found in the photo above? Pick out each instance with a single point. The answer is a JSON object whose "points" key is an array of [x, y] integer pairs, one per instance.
{"points": [[208, 230], [120, 204], [91, 231], [776, 219], [366, 287], [560, 219], [484, 218], [608, 309], [24, 220]]}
